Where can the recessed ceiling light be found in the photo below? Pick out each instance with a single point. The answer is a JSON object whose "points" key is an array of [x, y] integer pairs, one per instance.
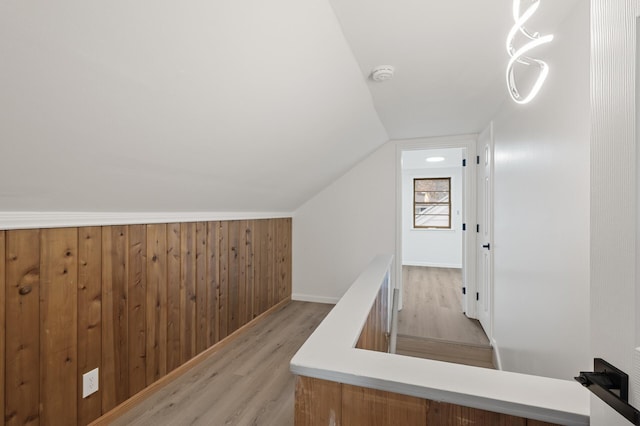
{"points": [[434, 159]]}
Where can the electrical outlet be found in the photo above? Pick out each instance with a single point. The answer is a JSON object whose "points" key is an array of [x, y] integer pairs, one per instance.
{"points": [[90, 382]]}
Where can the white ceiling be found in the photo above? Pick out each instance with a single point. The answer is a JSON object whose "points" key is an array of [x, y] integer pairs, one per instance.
{"points": [[449, 57], [155, 105]]}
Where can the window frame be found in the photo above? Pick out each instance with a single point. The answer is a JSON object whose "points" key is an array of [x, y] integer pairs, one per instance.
{"points": [[448, 204]]}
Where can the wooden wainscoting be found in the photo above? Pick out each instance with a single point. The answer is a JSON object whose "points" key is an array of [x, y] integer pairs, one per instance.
{"points": [[375, 333], [320, 402], [136, 301]]}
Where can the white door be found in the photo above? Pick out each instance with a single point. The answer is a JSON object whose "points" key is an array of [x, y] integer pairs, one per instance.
{"points": [[484, 229]]}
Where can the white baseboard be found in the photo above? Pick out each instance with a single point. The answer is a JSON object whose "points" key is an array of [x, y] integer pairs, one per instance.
{"points": [[431, 264], [316, 299], [497, 362]]}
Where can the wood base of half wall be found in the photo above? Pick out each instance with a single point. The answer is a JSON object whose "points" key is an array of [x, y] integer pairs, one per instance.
{"points": [[130, 403], [321, 402]]}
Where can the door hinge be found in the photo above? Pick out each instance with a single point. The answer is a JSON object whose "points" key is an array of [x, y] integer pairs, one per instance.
{"points": [[478, 228], [477, 296], [477, 159], [464, 290], [464, 162], [464, 226]]}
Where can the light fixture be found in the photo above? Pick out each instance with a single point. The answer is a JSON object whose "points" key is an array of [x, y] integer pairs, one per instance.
{"points": [[434, 159], [519, 56]]}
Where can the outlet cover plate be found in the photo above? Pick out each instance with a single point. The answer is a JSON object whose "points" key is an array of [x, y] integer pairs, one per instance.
{"points": [[90, 382]]}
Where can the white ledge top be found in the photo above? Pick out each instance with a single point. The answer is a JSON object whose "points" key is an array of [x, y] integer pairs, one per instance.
{"points": [[330, 354]]}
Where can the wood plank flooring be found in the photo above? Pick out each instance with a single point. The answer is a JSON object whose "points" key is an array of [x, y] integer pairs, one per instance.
{"points": [[247, 382], [433, 307]]}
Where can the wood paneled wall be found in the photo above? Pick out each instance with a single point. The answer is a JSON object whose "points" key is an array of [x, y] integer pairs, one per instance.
{"points": [[136, 301], [375, 333], [320, 402]]}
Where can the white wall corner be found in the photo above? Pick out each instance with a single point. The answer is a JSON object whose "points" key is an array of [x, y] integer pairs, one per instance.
{"points": [[497, 361]]}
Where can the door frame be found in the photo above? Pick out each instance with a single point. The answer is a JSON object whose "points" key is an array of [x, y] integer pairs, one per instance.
{"points": [[468, 142]]}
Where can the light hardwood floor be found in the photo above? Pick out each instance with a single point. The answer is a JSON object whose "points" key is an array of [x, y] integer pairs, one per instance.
{"points": [[433, 307], [248, 382]]}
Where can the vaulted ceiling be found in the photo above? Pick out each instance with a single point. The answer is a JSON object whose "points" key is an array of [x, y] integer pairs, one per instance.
{"points": [[247, 105]]}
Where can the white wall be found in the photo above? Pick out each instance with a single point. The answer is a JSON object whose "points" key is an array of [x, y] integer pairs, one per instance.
{"points": [[339, 231], [614, 164], [541, 240], [432, 247]]}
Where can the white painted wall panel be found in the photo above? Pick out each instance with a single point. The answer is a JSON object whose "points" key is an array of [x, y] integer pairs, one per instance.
{"points": [[541, 235], [339, 231], [613, 189]]}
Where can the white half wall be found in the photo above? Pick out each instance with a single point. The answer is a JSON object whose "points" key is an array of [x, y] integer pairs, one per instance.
{"points": [[432, 247], [338, 232], [541, 240]]}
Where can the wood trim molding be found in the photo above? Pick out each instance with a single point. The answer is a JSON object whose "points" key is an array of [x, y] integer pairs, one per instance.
{"points": [[127, 405], [31, 220]]}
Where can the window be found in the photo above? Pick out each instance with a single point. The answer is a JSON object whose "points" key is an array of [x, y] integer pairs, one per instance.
{"points": [[432, 203]]}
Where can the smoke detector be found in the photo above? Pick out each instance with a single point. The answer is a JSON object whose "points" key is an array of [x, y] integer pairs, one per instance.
{"points": [[382, 73]]}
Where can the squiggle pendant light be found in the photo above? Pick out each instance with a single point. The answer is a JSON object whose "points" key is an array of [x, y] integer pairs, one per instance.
{"points": [[519, 56]]}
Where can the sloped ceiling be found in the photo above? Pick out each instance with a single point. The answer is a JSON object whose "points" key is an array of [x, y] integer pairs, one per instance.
{"points": [[449, 55], [194, 105], [155, 105]]}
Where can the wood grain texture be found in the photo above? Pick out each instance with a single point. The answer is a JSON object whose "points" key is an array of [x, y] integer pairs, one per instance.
{"points": [[187, 291], [137, 301], [374, 407], [2, 322], [22, 376], [114, 374], [213, 278], [375, 331], [89, 317], [222, 389], [201, 288], [173, 296], [223, 283], [317, 402], [156, 312], [441, 413], [58, 325], [433, 306]]}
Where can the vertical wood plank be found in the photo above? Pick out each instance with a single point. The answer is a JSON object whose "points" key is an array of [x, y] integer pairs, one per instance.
{"points": [[156, 312], [257, 267], [58, 325], [22, 376], [201, 287], [374, 407], [444, 413], [188, 291], [173, 296], [233, 274], [272, 289], [242, 273], [318, 402], [281, 257], [114, 377], [264, 265], [213, 318], [89, 317], [250, 270], [137, 293], [223, 287], [2, 323], [288, 253]]}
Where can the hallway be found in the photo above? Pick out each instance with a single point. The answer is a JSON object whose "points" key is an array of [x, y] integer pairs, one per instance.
{"points": [[432, 324]]}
